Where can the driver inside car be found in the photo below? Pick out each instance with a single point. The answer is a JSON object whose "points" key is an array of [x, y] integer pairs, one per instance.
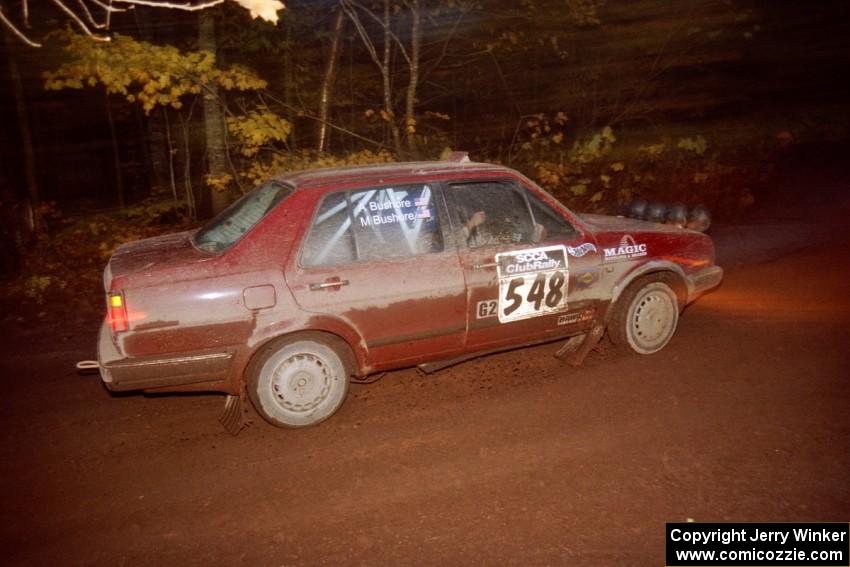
{"points": [[478, 230]]}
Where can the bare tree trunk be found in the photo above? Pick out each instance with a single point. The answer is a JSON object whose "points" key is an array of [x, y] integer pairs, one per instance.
{"points": [[170, 147], [383, 63], [213, 118], [289, 80], [413, 84], [328, 79], [385, 73], [23, 120], [116, 155], [187, 162], [157, 146]]}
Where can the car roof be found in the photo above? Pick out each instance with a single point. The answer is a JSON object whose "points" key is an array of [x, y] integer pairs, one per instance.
{"points": [[376, 173]]}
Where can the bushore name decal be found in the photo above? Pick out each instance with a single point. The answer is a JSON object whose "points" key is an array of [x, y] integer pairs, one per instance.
{"points": [[627, 250], [532, 282], [379, 211]]}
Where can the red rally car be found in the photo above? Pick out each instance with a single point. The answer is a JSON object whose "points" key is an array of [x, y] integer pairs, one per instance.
{"points": [[318, 276]]}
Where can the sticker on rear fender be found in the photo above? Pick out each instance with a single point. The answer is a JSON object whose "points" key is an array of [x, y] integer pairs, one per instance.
{"points": [[532, 282], [486, 309]]}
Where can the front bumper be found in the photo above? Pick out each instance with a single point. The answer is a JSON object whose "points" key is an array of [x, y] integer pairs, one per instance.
{"points": [[703, 281]]}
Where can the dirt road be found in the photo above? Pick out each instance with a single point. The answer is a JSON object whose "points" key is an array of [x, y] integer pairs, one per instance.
{"points": [[514, 459]]}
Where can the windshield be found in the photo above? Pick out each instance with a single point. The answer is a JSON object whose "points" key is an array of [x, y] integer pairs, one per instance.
{"points": [[240, 217]]}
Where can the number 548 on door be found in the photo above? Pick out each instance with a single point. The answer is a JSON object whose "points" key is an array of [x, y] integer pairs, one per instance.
{"points": [[532, 283]]}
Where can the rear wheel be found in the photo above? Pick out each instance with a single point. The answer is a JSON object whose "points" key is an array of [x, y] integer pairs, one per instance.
{"points": [[646, 315], [299, 381]]}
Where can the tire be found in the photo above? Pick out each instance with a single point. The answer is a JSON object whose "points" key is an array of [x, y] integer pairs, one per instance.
{"points": [[645, 316], [299, 381]]}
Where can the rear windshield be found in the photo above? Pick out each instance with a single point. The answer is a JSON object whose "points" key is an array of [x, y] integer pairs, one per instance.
{"points": [[240, 217]]}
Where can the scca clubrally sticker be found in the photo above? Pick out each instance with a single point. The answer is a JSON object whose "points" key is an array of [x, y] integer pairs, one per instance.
{"points": [[532, 282]]}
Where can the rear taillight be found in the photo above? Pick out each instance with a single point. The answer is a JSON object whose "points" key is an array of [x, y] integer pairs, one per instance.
{"points": [[117, 311]]}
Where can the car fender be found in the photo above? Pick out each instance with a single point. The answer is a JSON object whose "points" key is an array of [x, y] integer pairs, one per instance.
{"points": [[312, 323], [650, 267]]}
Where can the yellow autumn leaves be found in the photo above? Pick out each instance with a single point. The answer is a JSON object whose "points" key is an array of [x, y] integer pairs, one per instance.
{"points": [[148, 74]]}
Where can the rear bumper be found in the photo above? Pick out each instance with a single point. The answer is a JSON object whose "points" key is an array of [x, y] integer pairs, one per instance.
{"points": [[122, 374], [703, 281]]}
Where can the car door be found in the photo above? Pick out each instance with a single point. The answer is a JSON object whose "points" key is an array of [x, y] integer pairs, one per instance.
{"points": [[527, 268], [379, 260]]}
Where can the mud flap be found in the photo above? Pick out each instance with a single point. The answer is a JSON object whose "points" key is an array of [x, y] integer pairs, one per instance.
{"points": [[570, 346], [232, 416], [576, 349]]}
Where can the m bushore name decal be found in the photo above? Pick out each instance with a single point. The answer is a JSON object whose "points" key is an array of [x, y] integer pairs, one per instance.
{"points": [[627, 250], [758, 544], [397, 211], [387, 219]]}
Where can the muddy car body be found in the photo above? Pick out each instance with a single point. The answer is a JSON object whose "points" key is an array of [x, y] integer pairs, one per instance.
{"points": [[322, 275]]}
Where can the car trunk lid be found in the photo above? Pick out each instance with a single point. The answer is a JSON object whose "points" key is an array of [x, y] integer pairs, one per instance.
{"points": [[158, 253]]}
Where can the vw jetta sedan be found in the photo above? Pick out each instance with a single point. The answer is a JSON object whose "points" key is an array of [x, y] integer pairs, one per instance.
{"points": [[320, 276]]}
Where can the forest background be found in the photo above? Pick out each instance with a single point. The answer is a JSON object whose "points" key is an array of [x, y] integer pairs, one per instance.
{"points": [[600, 102]]}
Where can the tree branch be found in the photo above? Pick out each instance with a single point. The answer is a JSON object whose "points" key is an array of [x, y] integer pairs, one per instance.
{"points": [[109, 7], [87, 13], [361, 31], [80, 23], [383, 24], [330, 124], [445, 48], [15, 31], [173, 5]]}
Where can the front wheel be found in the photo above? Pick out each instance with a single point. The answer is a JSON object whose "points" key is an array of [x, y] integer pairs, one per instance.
{"points": [[646, 316], [299, 381]]}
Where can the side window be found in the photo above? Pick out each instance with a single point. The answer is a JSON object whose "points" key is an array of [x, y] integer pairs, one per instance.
{"points": [[490, 213], [552, 224], [373, 224], [396, 221], [330, 240]]}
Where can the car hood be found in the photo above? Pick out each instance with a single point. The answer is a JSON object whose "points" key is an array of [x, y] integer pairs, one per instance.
{"points": [[622, 224], [154, 254]]}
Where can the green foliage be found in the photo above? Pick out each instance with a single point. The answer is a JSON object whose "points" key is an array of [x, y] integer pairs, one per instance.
{"points": [[259, 170], [66, 263], [596, 173], [257, 129], [218, 182], [585, 12], [143, 72], [594, 148], [697, 145], [35, 287]]}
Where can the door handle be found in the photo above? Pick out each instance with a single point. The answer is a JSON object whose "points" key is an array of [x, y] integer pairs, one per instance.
{"points": [[484, 266], [326, 285]]}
